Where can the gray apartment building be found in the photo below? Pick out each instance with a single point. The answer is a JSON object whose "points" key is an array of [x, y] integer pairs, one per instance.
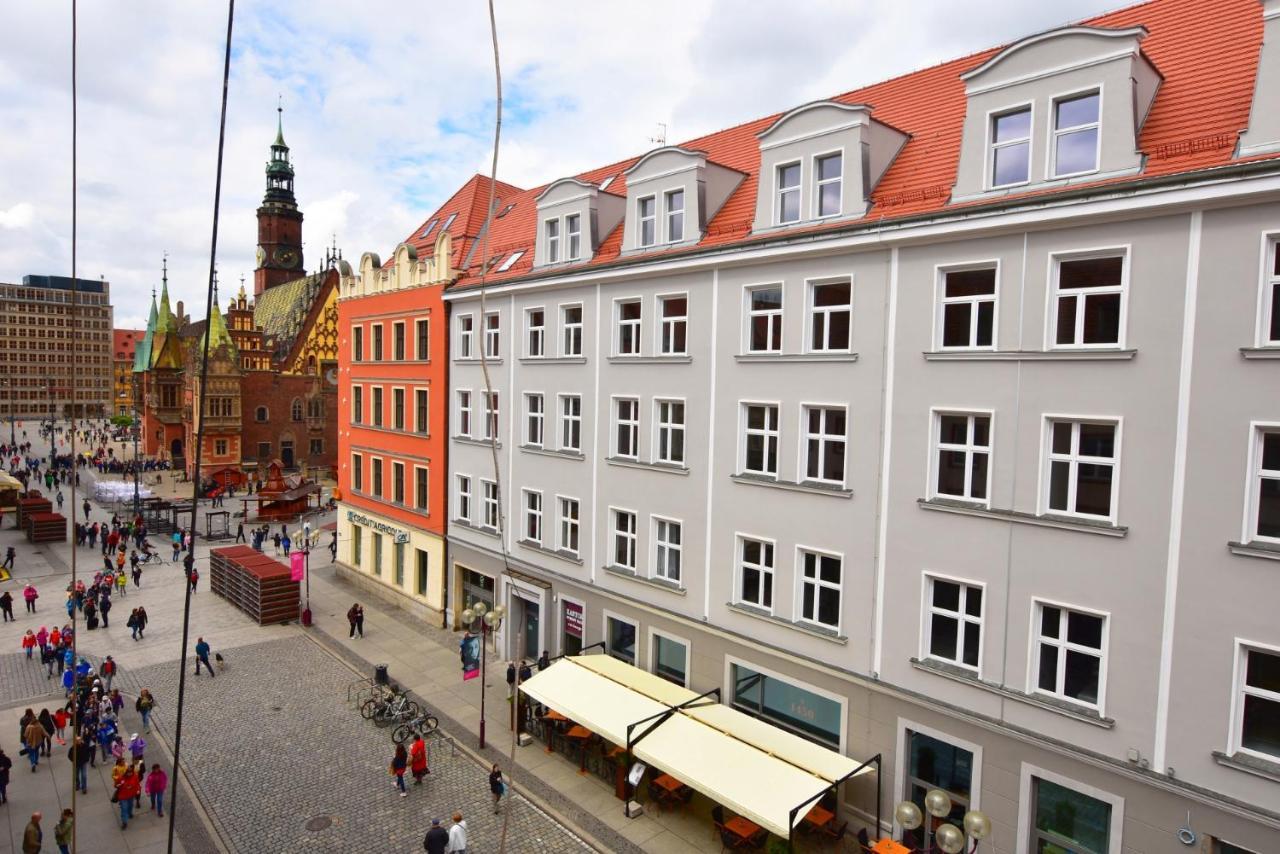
{"points": [[938, 420]]}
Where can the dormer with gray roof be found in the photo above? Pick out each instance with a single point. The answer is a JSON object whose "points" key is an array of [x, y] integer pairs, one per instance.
{"points": [[573, 217], [672, 193]]}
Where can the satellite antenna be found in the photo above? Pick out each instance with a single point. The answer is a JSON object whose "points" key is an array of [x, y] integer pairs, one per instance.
{"points": [[661, 138]]}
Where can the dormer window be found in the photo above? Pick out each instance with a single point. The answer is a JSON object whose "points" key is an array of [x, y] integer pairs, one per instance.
{"points": [[789, 193], [829, 172], [573, 229], [672, 193], [675, 216], [1011, 147], [553, 241], [1075, 135], [646, 211], [575, 217]]}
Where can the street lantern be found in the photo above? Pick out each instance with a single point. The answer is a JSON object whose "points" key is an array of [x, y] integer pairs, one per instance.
{"points": [[947, 838], [490, 620], [304, 537]]}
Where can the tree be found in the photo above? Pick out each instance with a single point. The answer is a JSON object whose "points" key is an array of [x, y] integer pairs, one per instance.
{"points": [[122, 420]]}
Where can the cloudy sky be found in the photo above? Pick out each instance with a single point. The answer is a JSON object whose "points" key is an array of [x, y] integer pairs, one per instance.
{"points": [[389, 107]]}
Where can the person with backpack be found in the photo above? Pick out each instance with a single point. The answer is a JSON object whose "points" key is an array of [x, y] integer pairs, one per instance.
{"points": [[30, 594], [144, 705]]}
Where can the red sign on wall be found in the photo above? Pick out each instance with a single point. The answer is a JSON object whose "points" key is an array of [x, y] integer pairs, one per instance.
{"points": [[573, 620]]}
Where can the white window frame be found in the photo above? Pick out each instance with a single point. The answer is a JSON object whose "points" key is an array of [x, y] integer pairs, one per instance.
{"points": [[819, 584], [400, 335], [812, 312], [1254, 474], [740, 540], [642, 220], [492, 412], [357, 472], [606, 616], [902, 770], [398, 482], [424, 322], [535, 418], [617, 423], [376, 406], [668, 212], [819, 183], [1268, 290], [357, 405], [1125, 253], [535, 338], [670, 428], [1239, 671], [377, 342], [465, 425], [400, 401], [839, 699], [573, 236], [1051, 159], [531, 504], [942, 301], [636, 325], [568, 525], [462, 497], [992, 145], [1047, 457], [493, 335], [422, 411], [466, 336], [567, 419], [750, 313], [448, 222], [964, 620], [551, 232], [1063, 645], [802, 474], [357, 335], [671, 323], [631, 537], [936, 447], [773, 436], [567, 328], [511, 260], [420, 473], [1026, 811], [779, 191], [654, 634], [662, 546], [489, 505]]}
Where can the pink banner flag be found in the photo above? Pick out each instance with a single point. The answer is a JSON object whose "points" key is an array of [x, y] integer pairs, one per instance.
{"points": [[297, 563]]}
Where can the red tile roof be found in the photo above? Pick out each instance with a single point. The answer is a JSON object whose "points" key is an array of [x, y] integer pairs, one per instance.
{"points": [[1206, 52]]}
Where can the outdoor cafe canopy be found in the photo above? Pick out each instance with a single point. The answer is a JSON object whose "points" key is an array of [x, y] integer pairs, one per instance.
{"points": [[758, 770]]}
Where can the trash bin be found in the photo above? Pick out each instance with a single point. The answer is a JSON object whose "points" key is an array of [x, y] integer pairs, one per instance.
{"points": [[380, 674]]}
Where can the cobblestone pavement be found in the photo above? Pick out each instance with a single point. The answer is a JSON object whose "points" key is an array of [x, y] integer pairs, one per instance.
{"points": [[270, 744]]}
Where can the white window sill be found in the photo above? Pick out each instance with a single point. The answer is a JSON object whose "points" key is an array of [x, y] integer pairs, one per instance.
{"points": [[1029, 355], [483, 443], [968, 677], [652, 581], [559, 553], [668, 468], [553, 360], [683, 359], [479, 529], [1256, 548], [809, 486], [965, 508], [1249, 764], [1269, 352], [796, 357], [475, 360], [808, 628], [552, 452]]}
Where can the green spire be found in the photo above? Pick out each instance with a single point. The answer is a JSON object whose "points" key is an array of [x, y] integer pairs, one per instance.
{"points": [[165, 322], [142, 353], [216, 331], [280, 126]]}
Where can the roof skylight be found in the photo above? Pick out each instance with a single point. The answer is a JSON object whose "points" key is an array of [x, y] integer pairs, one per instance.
{"points": [[511, 259]]}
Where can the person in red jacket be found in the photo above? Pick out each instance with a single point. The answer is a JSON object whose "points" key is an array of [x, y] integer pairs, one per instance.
{"points": [[418, 759], [157, 783], [29, 643], [127, 789]]}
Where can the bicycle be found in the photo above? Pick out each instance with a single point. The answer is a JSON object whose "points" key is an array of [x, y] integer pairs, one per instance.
{"points": [[422, 725], [385, 711], [151, 558]]}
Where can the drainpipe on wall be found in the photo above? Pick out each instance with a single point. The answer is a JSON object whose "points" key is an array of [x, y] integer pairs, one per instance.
{"points": [[447, 569]]}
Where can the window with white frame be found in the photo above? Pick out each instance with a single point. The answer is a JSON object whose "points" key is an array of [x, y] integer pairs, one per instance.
{"points": [[828, 171], [953, 622], [620, 638], [466, 336], [376, 471], [421, 491], [675, 215], [464, 497], [377, 341], [820, 588], [421, 410], [824, 443], [422, 349], [1257, 723], [670, 659], [464, 413], [764, 319], [375, 404], [357, 472], [962, 455], [533, 419], [1066, 820], [629, 327], [1075, 134], [666, 549], [755, 572], [569, 524], [624, 539], [535, 329], [626, 441], [397, 482], [670, 419], [489, 504], [1264, 509], [571, 326], [490, 415], [570, 422], [788, 184], [397, 408], [1011, 147], [493, 335], [573, 231], [673, 314], [1088, 302], [967, 305], [1269, 331], [830, 316], [552, 227], [357, 405], [1082, 460], [448, 221], [1069, 654], [533, 516], [760, 439], [357, 343], [398, 341], [646, 212]]}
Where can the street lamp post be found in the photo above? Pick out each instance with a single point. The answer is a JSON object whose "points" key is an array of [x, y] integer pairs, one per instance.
{"points": [[305, 536], [490, 621], [947, 838]]}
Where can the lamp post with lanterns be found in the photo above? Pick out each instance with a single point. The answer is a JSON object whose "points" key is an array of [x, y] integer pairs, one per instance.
{"points": [[490, 620], [304, 536], [947, 838]]}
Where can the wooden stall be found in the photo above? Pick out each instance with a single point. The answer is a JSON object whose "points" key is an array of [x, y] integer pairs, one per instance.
{"points": [[33, 503], [260, 586], [46, 527]]}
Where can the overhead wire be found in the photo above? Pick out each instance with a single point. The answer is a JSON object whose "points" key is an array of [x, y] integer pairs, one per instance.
{"points": [[75, 314]]}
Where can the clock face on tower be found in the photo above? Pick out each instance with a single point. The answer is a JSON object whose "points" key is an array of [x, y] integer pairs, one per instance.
{"points": [[262, 256], [287, 258]]}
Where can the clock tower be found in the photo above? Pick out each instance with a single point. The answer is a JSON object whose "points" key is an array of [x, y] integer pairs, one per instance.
{"points": [[279, 221]]}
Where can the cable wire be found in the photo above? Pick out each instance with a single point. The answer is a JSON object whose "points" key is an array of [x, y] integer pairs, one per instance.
{"points": [[75, 290]]}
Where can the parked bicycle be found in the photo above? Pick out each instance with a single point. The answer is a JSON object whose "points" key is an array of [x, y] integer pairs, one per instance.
{"points": [[422, 725], [395, 707]]}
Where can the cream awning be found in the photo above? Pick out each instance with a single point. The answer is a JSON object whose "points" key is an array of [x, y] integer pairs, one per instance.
{"points": [[752, 767]]}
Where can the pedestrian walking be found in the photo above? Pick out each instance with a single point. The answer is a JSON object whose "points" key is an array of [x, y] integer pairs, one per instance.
{"points": [[29, 643], [240, 532], [194, 578], [399, 763], [9, 554], [286, 544], [32, 739], [418, 759], [5, 764], [108, 669], [81, 755], [46, 723], [86, 508], [33, 836], [62, 831], [121, 581], [60, 718], [6, 606], [352, 612], [157, 783], [144, 705], [30, 594], [458, 835], [127, 790], [437, 838], [275, 542], [142, 621], [137, 572], [202, 657], [360, 620], [497, 787], [333, 546], [137, 748], [104, 608]]}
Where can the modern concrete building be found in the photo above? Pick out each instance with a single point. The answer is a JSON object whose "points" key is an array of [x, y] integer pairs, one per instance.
{"points": [[939, 420], [41, 346]]}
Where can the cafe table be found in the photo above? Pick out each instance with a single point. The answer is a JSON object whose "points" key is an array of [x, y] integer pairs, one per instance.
{"points": [[741, 827], [819, 816], [580, 734], [668, 787], [556, 718]]}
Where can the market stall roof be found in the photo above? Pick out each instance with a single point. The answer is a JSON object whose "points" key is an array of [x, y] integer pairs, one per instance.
{"points": [[760, 771]]}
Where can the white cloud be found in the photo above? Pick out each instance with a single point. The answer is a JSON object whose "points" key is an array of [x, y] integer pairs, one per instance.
{"points": [[388, 108]]}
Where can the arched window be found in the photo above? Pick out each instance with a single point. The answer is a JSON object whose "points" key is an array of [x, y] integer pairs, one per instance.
{"points": [[311, 364], [315, 408], [261, 415], [295, 410]]}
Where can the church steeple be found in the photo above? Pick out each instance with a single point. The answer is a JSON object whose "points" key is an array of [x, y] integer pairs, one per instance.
{"points": [[279, 169], [279, 220]]}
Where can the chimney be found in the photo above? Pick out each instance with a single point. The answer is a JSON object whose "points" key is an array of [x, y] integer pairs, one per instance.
{"points": [[181, 316], [1263, 135]]}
